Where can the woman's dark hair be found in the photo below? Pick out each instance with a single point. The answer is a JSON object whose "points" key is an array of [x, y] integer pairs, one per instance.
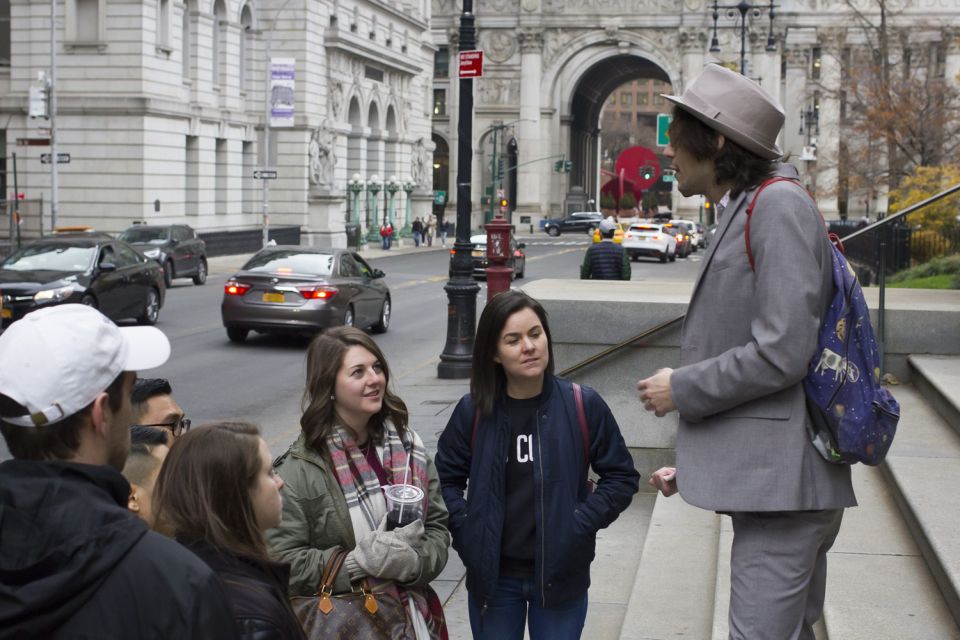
{"points": [[488, 376], [202, 494], [732, 164], [324, 359], [58, 441]]}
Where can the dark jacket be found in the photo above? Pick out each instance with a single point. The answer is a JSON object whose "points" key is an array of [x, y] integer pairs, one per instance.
{"points": [[567, 515], [74, 562], [258, 594], [605, 260]]}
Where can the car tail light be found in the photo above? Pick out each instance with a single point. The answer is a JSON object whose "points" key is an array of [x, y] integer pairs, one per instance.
{"points": [[234, 288], [317, 293], [655, 237], [453, 252]]}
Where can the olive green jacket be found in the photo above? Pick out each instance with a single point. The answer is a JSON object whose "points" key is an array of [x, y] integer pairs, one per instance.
{"points": [[316, 522]]}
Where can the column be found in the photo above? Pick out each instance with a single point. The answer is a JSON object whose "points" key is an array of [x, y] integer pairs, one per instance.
{"points": [[795, 100], [828, 142], [530, 174], [693, 45]]}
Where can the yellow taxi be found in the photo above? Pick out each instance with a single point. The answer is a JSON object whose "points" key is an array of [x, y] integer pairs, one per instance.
{"points": [[617, 234]]}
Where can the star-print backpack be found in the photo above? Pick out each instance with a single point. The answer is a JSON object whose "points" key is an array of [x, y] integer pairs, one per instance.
{"points": [[853, 418]]}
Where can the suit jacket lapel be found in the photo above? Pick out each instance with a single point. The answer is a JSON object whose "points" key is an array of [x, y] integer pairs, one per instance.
{"points": [[731, 211]]}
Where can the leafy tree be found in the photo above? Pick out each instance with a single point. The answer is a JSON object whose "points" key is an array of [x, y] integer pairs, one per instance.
{"points": [[607, 201], [650, 201], [941, 216], [627, 201]]}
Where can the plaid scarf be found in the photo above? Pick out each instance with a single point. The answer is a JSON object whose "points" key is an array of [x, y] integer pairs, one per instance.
{"points": [[367, 506]]}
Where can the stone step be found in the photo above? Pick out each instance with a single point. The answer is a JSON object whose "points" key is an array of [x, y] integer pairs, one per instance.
{"points": [[923, 469], [938, 379], [674, 585]]}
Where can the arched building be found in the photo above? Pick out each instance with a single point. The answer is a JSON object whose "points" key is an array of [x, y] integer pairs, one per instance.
{"points": [[551, 64]]}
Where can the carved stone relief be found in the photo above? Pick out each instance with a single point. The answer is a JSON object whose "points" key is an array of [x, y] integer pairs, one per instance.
{"points": [[336, 99], [609, 6], [530, 6], [531, 40], [418, 163], [555, 41], [498, 44], [500, 6], [692, 40], [321, 156], [499, 91]]}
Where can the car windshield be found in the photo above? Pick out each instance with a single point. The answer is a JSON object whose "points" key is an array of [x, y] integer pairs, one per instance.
{"points": [[51, 257], [290, 263], [151, 235]]}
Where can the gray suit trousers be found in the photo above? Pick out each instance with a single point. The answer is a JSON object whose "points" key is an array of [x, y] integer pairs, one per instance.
{"points": [[778, 572]]}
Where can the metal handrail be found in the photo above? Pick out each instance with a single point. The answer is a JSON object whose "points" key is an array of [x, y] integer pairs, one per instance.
{"points": [[603, 354], [881, 311]]}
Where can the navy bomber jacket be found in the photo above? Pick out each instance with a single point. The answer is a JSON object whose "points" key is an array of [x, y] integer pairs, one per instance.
{"points": [[567, 515]]}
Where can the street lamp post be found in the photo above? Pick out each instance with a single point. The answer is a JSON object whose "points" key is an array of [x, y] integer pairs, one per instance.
{"points": [[462, 289], [355, 186], [392, 187], [408, 187], [495, 173], [744, 8], [373, 188]]}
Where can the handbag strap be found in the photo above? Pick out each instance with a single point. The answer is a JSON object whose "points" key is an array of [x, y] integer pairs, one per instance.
{"points": [[330, 570]]}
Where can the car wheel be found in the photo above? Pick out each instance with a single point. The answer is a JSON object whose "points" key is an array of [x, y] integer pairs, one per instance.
{"points": [[673, 257], [201, 276], [590, 230], [384, 324], [553, 231], [89, 300], [167, 273], [663, 258], [151, 308], [348, 317], [523, 269], [237, 334]]}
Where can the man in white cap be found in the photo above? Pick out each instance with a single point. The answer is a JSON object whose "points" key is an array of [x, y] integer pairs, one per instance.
{"points": [[605, 260], [742, 446], [74, 562]]}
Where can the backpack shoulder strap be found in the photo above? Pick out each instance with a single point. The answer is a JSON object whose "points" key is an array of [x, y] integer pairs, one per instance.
{"points": [[582, 419], [753, 203]]}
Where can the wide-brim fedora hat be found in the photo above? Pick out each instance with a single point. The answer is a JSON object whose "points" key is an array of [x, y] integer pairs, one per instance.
{"points": [[735, 106]]}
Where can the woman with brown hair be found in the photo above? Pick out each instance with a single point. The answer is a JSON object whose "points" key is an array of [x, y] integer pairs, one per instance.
{"points": [[355, 441], [217, 494]]}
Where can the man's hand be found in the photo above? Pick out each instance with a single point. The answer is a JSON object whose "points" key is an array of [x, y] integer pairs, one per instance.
{"points": [[664, 480], [655, 393]]}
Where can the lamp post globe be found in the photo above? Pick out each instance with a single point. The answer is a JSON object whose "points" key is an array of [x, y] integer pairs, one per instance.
{"points": [[355, 186], [392, 187], [408, 187]]}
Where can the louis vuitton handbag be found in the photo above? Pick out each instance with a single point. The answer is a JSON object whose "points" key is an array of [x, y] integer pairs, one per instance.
{"points": [[362, 614]]}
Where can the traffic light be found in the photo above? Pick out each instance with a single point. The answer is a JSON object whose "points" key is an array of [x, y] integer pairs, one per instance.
{"points": [[568, 165], [499, 167], [646, 172]]}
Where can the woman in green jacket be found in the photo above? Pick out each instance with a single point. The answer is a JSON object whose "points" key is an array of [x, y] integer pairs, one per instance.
{"points": [[354, 441]]}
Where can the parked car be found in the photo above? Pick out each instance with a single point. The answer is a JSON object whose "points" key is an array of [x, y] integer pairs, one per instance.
{"points": [[176, 247], [696, 238], [580, 221], [89, 268], [683, 240], [517, 260], [650, 239], [294, 289], [704, 236]]}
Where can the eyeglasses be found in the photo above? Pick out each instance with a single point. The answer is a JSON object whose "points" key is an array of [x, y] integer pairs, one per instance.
{"points": [[178, 427]]}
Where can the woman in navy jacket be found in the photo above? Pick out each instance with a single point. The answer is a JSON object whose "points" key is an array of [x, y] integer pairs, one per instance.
{"points": [[527, 531]]}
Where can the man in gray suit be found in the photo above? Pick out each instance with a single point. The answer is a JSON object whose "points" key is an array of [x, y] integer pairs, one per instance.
{"points": [[747, 340]]}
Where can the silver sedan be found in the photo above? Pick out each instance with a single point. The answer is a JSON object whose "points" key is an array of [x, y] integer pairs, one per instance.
{"points": [[293, 289]]}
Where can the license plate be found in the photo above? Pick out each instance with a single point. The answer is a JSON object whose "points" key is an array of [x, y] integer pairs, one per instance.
{"points": [[273, 297], [6, 313], [479, 254]]}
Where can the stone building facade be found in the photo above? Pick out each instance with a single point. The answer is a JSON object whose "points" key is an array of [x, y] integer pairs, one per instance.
{"points": [[161, 106], [551, 64]]}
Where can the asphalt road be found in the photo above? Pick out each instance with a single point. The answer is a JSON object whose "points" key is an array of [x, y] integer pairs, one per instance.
{"points": [[262, 379]]}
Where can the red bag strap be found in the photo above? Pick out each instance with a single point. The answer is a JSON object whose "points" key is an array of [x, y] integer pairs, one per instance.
{"points": [[581, 418]]}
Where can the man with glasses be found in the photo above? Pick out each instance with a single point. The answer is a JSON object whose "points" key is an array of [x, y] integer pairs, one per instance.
{"points": [[153, 406]]}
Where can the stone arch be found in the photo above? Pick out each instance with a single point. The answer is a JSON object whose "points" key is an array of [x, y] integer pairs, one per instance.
{"points": [[392, 164], [248, 25], [375, 141], [354, 115]]}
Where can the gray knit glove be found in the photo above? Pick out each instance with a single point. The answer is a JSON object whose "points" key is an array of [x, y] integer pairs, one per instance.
{"points": [[386, 555]]}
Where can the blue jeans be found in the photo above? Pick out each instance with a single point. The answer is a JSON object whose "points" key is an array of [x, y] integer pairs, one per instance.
{"points": [[511, 606]]}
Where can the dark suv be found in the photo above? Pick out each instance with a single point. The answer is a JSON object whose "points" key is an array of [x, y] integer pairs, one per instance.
{"points": [[580, 221], [176, 247]]}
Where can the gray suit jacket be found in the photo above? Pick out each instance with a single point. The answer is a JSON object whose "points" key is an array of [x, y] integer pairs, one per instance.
{"points": [[746, 344]]}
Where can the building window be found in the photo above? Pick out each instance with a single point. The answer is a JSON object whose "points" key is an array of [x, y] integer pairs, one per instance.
{"points": [[191, 178], [186, 41], [84, 20], [439, 102], [626, 118], [815, 63], [626, 99], [219, 40], [4, 33], [220, 175], [246, 46], [249, 184], [643, 98], [657, 99], [163, 23], [939, 59], [441, 63]]}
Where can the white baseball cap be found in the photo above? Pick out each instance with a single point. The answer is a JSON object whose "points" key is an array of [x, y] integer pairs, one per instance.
{"points": [[56, 361]]}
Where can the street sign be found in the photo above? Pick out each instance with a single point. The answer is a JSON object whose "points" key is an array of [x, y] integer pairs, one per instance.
{"points": [[33, 142], [663, 123], [439, 197], [62, 158], [471, 64], [264, 174]]}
